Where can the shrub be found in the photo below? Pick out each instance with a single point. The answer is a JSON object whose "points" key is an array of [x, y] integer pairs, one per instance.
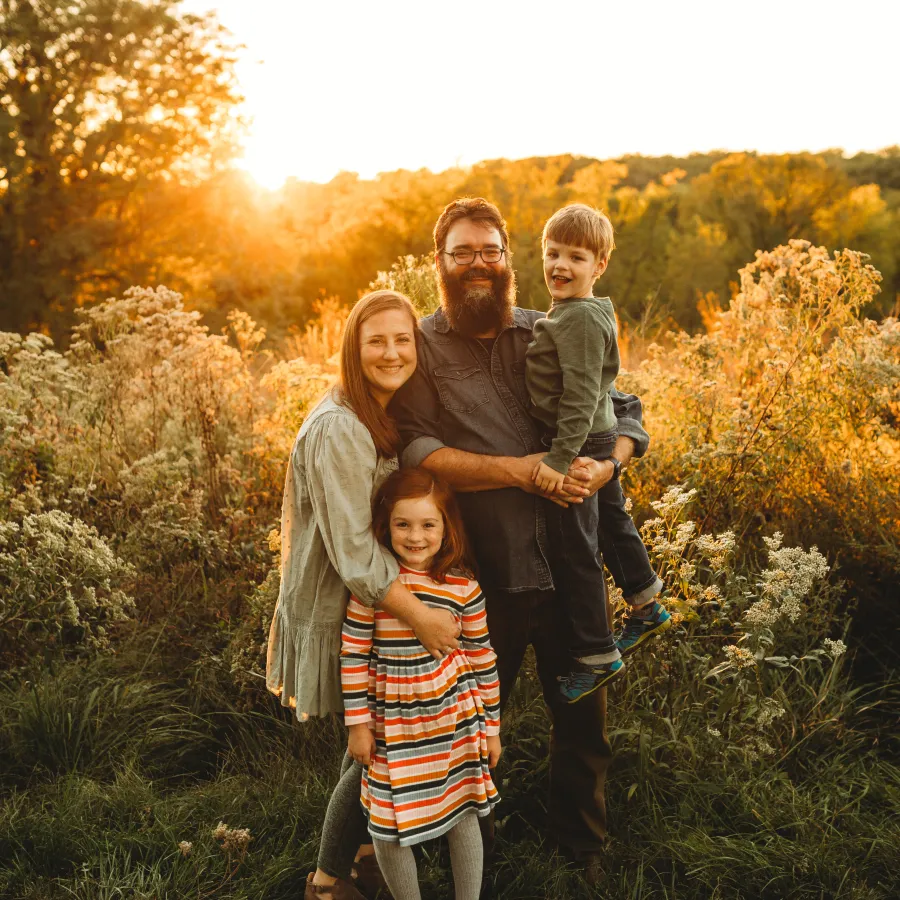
{"points": [[787, 411], [61, 587]]}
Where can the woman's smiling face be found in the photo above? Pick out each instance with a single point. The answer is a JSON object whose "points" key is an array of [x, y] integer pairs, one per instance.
{"points": [[387, 351]]}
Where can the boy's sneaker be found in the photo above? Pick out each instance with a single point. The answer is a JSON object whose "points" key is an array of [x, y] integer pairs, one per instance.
{"points": [[641, 628], [587, 679]]}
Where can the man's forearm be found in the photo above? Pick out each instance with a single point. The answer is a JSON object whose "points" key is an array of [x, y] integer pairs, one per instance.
{"points": [[624, 449], [465, 471]]}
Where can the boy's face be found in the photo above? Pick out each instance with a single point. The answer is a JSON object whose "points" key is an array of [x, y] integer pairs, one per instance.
{"points": [[570, 271]]}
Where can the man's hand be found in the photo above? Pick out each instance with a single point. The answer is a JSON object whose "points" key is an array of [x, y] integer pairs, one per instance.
{"points": [[548, 480], [361, 744], [495, 751], [588, 475], [522, 471], [437, 630]]}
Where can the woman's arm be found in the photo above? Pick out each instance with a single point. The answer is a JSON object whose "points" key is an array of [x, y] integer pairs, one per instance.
{"points": [[340, 461], [436, 629]]}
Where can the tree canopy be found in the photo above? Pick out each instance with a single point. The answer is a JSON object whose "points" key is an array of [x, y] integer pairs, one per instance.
{"points": [[101, 102]]}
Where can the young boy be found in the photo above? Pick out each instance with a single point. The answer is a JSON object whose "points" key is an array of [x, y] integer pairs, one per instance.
{"points": [[571, 366]]}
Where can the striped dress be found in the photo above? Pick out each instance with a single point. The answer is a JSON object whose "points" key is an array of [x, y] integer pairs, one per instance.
{"points": [[431, 717]]}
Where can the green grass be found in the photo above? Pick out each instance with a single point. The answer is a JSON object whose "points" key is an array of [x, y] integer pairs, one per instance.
{"points": [[106, 767]]}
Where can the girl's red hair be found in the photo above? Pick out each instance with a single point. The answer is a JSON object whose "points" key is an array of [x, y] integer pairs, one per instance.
{"points": [[410, 484]]}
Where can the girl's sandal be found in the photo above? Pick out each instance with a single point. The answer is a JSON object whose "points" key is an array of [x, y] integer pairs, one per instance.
{"points": [[340, 890], [368, 878]]}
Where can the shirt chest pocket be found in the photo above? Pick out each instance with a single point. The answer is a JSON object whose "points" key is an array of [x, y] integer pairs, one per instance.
{"points": [[461, 388]]}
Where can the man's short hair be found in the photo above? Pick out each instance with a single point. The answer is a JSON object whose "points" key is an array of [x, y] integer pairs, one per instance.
{"points": [[475, 208], [579, 225]]}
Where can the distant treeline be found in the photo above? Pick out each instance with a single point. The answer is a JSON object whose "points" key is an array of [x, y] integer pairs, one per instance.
{"points": [[684, 227]]}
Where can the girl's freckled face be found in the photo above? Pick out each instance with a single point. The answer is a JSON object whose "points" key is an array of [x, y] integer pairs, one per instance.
{"points": [[417, 532]]}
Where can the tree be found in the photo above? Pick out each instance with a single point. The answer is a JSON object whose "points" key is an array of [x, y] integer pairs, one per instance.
{"points": [[101, 103]]}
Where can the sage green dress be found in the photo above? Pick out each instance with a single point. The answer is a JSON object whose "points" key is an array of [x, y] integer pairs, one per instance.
{"points": [[328, 550]]}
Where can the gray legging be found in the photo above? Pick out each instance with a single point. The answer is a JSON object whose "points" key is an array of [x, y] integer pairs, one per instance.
{"points": [[345, 825]]}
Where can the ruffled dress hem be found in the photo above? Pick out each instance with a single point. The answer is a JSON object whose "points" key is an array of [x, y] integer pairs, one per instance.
{"points": [[479, 809], [303, 666]]}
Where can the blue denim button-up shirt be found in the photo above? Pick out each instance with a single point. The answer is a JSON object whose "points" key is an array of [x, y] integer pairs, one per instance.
{"points": [[463, 396]]}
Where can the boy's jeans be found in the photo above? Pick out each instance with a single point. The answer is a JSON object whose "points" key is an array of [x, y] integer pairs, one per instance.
{"points": [[577, 534]]}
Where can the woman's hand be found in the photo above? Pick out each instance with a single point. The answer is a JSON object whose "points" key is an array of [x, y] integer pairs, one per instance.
{"points": [[361, 744], [495, 751], [437, 630]]}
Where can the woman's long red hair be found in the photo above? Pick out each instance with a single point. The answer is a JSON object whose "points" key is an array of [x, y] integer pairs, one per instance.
{"points": [[410, 484]]}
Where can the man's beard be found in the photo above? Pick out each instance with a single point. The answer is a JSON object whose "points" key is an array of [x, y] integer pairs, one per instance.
{"points": [[476, 310]]}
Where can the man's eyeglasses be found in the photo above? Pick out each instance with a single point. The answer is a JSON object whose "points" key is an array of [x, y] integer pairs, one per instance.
{"points": [[467, 257]]}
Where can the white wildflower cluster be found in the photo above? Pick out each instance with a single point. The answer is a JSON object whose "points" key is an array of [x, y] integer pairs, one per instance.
{"points": [[787, 582], [674, 500], [714, 732], [835, 648], [185, 847], [756, 747], [716, 549], [665, 543], [233, 839], [739, 657], [769, 710], [712, 594]]}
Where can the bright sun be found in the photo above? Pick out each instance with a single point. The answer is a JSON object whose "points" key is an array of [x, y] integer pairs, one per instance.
{"points": [[271, 158]]}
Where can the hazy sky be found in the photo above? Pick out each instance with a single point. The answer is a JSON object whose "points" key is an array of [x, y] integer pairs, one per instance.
{"points": [[374, 86]]}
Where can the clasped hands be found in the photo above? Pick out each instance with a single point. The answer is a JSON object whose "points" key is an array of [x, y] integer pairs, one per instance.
{"points": [[585, 477]]}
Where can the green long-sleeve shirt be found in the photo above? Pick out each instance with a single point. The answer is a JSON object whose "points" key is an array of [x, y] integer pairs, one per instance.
{"points": [[570, 367]]}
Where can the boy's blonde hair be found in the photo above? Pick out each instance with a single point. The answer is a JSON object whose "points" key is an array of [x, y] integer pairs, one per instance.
{"points": [[579, 225]]}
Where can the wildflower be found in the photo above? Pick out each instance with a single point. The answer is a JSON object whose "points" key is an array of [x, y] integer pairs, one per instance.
{"points": [[835, 648], [739, 657], [714, 732], [712, 593], [628, 504], [764, 748], [769, 711], [674, 499], [236, 839], [185, 847], [786, 583], [274, 539], [220, 831]]}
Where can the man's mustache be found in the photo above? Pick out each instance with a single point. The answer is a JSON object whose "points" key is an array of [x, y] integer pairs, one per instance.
{"points": [[474, 274]]}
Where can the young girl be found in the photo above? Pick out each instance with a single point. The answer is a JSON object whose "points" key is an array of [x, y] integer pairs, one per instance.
{"points": [[427, 729]]}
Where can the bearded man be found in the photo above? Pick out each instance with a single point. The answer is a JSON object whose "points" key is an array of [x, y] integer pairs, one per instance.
{"points": [[464, 416]]}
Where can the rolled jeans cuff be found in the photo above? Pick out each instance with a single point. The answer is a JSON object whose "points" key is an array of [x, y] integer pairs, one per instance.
{"points": [[646, 594]]}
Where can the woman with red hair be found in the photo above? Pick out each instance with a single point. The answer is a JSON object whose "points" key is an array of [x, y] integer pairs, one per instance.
{"points": [[345, 449]]}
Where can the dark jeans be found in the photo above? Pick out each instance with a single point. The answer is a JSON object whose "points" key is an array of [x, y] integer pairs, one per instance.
{"points": [[580, 753], [623, 551], [578, 536]]}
